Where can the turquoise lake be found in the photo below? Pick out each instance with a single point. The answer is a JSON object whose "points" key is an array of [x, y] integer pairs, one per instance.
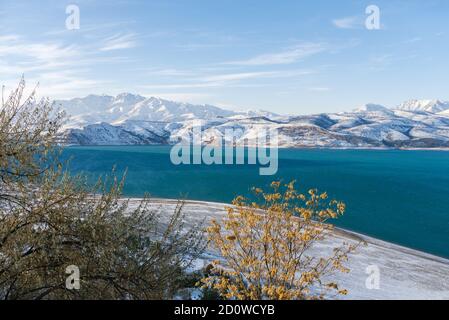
{"points": [[395, 195]]}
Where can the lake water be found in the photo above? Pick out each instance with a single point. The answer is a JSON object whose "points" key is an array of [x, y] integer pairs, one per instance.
{"points": [[397, 196]]}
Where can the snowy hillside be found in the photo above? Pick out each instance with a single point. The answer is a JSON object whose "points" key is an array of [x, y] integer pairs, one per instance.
{"points": [[132, 119]]}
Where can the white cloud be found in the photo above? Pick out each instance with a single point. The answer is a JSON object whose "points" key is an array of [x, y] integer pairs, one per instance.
{"points": [[347, 23], [169, 72], [57, 67], [319, 89], [237, 76], [288, 56], [57, 85], [12, 45], [183, 85], [413, 40], [119, 41], [19, 56], [96, 29], [227, 79], [181, 96], [68, 88], [9, 37]]}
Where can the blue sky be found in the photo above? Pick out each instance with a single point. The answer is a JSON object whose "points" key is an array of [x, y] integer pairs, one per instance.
{"points": [[287, 56]]}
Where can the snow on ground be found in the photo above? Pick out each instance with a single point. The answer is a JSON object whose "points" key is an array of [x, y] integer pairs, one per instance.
{"points": [[404, 273]]}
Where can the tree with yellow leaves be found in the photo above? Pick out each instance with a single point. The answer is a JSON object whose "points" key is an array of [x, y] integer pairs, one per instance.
{"points": [[266, 246]]}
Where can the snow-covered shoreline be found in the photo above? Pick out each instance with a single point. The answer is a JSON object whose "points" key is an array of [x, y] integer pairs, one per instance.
{"points": [[404, 273], [279, 147]]}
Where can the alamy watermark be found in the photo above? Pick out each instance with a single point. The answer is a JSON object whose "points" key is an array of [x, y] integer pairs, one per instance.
{"points": [[72, 282], [372, 21], [372, 282], [229, 148], [72, 22]]}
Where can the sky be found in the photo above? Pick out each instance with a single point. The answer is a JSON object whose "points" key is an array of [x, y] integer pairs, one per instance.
{"points": [[289, 56]]}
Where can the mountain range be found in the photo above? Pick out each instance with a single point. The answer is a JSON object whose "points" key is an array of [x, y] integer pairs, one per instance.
{"points": [[129, 119]]}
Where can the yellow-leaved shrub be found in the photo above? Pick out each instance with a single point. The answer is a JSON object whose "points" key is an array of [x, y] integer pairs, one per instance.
{"points": [[266, 246]]}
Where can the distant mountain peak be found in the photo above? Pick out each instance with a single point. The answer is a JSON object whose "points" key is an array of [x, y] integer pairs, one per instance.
{"points": [[432, 106], [128, 95], [372, 107], [128, 98]]}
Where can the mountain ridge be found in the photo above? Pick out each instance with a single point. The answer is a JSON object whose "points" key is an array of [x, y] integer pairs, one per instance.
{"points": [[131, 119]]}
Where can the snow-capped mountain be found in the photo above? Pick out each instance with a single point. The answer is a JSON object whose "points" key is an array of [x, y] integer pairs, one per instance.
{"points": [[130, 107], [432, 106], [371, 107], [133, 119]]}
